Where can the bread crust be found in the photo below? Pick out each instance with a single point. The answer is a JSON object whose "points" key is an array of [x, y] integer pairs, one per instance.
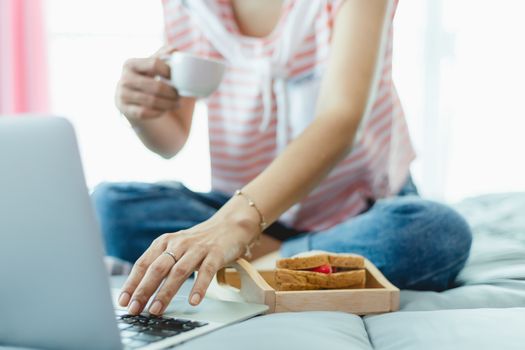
{"points": [[351, 261], [287, 279], [286, 287], [302, 263], [290, 287], [347, 261]]}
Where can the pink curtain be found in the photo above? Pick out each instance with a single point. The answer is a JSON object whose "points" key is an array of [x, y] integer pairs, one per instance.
{"points": [[23, 57]]}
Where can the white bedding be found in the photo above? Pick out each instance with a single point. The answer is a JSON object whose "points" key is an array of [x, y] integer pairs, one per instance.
{"points": [[486, 312]]}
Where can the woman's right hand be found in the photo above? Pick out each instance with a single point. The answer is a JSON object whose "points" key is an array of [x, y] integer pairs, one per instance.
{"points": [[141, 94]]}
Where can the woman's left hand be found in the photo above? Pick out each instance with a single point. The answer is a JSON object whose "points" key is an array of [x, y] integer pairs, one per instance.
{"points": [[205, 248]]}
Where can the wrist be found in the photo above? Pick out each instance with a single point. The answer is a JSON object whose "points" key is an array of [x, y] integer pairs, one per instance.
{"points": [[239, 213]]}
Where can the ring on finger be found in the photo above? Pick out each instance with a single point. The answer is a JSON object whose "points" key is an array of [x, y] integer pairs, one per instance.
{"points": [[167, 252]]}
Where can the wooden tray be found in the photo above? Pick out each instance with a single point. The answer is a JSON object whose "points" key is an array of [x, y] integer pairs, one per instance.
{"points": [[254, 286]]}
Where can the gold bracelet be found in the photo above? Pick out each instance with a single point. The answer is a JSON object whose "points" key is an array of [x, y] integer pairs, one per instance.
{"points": [[251, 203], [262, 224]]}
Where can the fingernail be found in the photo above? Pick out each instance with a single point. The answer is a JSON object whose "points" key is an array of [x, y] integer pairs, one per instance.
{"points": [[195, 299], [155, 308], [134, 308], [123, 299]]}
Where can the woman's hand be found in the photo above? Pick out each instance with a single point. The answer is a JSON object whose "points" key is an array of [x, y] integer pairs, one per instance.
{"points": [[159, 116], [205, 248], [140, 93]]}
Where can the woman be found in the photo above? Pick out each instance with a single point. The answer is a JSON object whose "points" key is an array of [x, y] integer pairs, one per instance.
{"points": [[306, 126]]}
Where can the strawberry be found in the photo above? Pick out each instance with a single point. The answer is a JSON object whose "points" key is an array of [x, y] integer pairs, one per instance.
{"points": [[323, 269]]}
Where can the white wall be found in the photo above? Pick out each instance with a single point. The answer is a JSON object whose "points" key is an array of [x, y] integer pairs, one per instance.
{"points": [[89, 41], [458, 67], [463, 93]]}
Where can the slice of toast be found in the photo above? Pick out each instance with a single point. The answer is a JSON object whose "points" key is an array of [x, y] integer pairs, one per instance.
{"points": [[303, 262], [294, 287], [347, 261], [305, 280], [309, 261]]}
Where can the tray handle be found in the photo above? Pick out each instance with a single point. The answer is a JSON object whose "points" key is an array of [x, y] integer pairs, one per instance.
{"points": [[254, 288]]}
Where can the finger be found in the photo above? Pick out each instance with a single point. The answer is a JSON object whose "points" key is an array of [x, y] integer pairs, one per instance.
{"points": [[165, 50], [134, 81], [154, 276], [139, 269], [146, 100], [208, 269], [140, 112], [178, 274], [149, 66]]}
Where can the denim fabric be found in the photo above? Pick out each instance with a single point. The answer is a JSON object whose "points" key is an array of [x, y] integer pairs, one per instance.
{"points": [[418, 244], [133, 214]]}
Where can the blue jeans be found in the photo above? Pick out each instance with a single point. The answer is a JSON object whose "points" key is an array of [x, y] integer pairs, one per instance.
{"points": [[416, 243]]}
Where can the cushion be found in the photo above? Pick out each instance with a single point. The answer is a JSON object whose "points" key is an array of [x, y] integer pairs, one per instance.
{"points": [[305, 330], [448, 329]]}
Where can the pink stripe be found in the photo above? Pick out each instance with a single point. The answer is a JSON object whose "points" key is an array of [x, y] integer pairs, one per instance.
{"points": [[249, 120], [188, 46], [246, 130], [225, 108], [234, 169], [221, 131], [182, 34], [266, 151], [225, 142], [172, 24], [317, 32], [381, 99], [305, 68], [236, 150], [383, 117], [310, 53]]}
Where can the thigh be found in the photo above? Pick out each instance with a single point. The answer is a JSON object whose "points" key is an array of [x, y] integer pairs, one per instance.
{"points": [[416, 243], [132, 215]]}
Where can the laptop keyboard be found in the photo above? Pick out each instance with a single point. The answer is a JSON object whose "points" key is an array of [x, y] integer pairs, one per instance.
{"points": [[140, 330]]}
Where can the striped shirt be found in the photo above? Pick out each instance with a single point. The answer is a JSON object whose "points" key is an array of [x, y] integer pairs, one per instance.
{"points": [[246, 128]]}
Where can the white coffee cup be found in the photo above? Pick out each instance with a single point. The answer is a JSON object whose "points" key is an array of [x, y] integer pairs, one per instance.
{"points": [[194, 76]]}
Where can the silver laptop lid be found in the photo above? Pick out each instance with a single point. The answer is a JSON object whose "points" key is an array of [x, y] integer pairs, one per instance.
{"points": [[54, 291]]}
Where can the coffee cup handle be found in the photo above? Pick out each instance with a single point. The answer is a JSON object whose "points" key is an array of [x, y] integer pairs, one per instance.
{"points": [[165, 81], [166, 59]]}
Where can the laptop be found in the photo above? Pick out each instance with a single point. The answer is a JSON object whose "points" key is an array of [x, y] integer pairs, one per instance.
{"points": [[54, 288]]}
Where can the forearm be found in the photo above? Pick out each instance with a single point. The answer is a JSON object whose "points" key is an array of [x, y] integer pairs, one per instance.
{"points": [[159, 116], [167, 134], [162, 135], [302, 166]]}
